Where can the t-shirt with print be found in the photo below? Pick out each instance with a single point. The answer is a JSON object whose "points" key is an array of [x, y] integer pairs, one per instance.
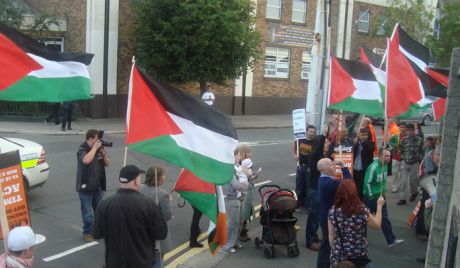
{"points": [[306, 148], [350, 240]]}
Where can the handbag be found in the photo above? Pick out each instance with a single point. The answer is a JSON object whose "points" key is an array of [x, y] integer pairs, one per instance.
{"points": [[358, 261]]}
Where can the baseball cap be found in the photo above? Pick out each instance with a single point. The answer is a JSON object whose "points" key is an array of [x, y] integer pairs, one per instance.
{"points": [[22, 238], [247, 163], [129, 173]]}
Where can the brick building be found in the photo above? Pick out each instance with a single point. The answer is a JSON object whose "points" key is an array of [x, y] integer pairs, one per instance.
{"points": [[279, 79]]}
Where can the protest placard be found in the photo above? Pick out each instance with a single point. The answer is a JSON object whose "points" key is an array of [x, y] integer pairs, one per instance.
{"points": [[14, 206]]}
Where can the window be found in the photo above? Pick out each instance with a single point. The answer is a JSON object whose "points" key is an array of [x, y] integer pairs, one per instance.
{"points": [[306, 65], [299, 10], [56, 43], [274, 9], [276, 62], [381, 23], [363, 21]]}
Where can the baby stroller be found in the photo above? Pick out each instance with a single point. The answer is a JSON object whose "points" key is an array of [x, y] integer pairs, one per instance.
{"points": [[277, 220]]}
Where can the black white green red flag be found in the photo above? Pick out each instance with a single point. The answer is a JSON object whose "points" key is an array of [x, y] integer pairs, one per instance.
{"points": [[31, 71], [353, 87], [207, 198], [170, 124], [410, 88]]}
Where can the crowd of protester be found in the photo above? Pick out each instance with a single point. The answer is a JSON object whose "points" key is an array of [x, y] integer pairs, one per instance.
{"points": [[348, 203]]}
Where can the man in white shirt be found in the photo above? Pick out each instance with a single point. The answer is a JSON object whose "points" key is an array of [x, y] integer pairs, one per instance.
{"points": [[208, 97]]}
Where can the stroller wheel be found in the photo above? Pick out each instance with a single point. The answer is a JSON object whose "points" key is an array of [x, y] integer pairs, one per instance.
{"points": [[293, 251], [257, 242], [269, 252]]}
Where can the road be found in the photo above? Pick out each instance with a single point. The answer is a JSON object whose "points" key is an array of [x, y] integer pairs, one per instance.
{"points": [[55, 211]]}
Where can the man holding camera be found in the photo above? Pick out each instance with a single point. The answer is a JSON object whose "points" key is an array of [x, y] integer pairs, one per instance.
{"points": [[92, 158]]}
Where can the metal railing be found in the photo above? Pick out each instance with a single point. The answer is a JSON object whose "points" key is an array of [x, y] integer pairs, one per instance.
{"points": [[23, 108]]}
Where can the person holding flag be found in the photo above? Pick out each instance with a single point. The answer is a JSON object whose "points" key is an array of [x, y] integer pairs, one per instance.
{"points": [[375, 183]]}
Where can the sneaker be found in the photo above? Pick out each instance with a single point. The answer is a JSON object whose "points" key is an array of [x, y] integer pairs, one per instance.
{"points": [[401, 202], [238, 246], [227, 251], [396, 242], [413, 197], [394, 190], [88, 238]]}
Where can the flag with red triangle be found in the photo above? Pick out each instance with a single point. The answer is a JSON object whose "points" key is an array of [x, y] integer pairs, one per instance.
{"points": [[353, 87], [170, 124], [31, 71]]}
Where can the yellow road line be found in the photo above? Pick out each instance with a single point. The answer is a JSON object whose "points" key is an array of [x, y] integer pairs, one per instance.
{"points": [[185, 245], [184, 257], [193, 251]]}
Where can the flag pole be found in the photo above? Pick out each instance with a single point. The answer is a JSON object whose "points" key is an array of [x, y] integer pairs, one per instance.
{"points": [[128, 107], [385, 130]]}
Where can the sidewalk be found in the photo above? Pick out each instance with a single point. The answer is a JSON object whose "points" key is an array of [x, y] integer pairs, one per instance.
{"points": [[117, 125]]}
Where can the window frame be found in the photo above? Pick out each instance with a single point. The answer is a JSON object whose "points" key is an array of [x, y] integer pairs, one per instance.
{"points": [[304, 11], [277, 7], [277, 63], [306, 65], [368, 22]]}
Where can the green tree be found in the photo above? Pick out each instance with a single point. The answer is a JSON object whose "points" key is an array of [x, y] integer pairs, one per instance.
{"points": [[205, 41], [413, 16], [449, 34], [12, 14]]}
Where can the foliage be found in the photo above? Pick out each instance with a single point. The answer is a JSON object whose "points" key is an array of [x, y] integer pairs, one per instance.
{"points": [[182, 40], [449, 36], [413, 16], [12, 14]]}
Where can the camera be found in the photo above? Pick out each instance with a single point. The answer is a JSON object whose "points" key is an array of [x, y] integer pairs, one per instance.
{"points": [[100, 134]]}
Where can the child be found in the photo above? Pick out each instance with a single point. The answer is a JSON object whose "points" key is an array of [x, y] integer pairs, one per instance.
{"points": [[154, 178]]}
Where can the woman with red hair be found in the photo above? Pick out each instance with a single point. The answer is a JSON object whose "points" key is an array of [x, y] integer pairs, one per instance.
{"points": [[347, 222]]}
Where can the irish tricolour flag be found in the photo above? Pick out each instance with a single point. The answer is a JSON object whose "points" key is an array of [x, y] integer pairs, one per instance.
{"points": [[177, 127], [31, 71], [353, 87]]}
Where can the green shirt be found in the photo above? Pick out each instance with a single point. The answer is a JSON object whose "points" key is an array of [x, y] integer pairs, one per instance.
{"points": [[373, 185]]}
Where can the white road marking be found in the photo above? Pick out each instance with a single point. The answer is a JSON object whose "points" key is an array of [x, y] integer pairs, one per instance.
{"points": [[292, 174], [262, 183], [70, 251]]}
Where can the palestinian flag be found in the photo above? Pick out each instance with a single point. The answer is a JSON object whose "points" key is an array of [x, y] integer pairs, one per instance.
{"points": [[374, 61], [31, 71], [167, 123], [410, 89], [207, 198], [353, 87]]}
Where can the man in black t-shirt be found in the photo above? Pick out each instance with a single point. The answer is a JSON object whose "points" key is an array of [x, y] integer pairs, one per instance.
{"points": [[309, 153]]}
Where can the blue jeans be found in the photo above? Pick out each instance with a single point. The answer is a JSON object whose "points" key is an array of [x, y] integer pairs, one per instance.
{"points": [[313, 216], [324, 252], [301, 185], [88, 206], [386, 224]]}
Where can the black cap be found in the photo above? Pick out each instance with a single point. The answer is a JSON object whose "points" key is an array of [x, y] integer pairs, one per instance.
{"points": [[129, 173]]}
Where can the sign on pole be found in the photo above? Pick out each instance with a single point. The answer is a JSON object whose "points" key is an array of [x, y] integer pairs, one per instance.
{"points": [[299, 123], [346, 154], [13, 210]]}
